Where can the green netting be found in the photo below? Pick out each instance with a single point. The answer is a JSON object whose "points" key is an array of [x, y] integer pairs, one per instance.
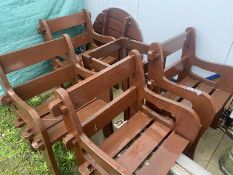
{"points": [[18, 29]]}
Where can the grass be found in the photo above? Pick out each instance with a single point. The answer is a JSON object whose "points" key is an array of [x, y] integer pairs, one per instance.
{"points": [[16, 156]]}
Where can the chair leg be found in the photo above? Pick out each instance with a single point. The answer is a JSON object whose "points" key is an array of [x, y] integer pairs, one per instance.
{"points": [[29, 142], [80, 159], [108, 130], [51, 161], [215, 121], [191, 150], [107, 96]]}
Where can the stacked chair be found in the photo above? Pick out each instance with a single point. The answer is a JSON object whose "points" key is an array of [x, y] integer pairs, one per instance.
{"points": [[218, 91], [89, 37], [163, 117], [147, 143], [161, 81], [39, 127], [206, 97]]}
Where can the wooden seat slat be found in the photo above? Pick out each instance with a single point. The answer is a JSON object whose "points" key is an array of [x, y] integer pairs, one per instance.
{"points": [[43, 108], [125, 134], [59, 130], [202, 87], [165, 157], [187, 81], [186, 102], [205, 88], [109, 60], [49, 121], [171, 95], [143, 146]]}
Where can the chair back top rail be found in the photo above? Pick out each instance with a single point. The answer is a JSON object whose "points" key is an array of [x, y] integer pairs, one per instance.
{"points": [[26, 57], [66, 22], [93, 86], [116, 45], [174, 44], [48, 27], [23, 58], [45, 82]]}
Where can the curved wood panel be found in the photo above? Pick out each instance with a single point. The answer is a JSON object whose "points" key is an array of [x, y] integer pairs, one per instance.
{"points": [[117, 23]]}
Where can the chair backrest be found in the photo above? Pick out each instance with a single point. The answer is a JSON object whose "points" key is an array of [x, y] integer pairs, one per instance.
{"points": [[133, 98], [17, 60], [90, 88], [182, 41], [82, 19], [158, 53]]}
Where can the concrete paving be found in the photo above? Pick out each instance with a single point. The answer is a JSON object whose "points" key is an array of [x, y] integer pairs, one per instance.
{"points": [[213, 144]]}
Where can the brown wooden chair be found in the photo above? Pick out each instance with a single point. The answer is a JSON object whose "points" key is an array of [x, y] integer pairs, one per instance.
{"points": [[154, 73], [218, 91], [148, 143], [206, 97], [88, 37], [40, 128]]}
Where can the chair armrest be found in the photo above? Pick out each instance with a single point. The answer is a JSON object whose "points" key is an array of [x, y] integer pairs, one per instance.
{"points": [[105, 161], [186, 118], [102, 38], [83, 72], [30, 113], [193, 95], [225, 72], [196, 97]]}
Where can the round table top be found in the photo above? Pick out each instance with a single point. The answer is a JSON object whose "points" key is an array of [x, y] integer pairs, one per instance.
{"points": [[117, 23]]}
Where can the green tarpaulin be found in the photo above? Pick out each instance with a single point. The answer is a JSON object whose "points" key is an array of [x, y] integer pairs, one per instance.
{"points": [[18, 29]]}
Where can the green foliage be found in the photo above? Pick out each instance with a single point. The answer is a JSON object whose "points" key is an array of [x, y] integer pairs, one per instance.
{"points": [[16, 156], [66, 159]]}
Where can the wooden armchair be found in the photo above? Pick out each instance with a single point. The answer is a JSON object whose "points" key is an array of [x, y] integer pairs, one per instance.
{"points": [[88, 37], [206, 97], [154, 73], [218, 91], [148, 143], [40, 128]]}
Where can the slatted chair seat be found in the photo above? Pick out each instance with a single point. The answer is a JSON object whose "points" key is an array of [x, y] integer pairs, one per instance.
{"points": [[147, 143], [154, 74], [88, 36], [141, 145], [105, 59], [218, 96], [206, 97], [56, 126], [218, 91]]}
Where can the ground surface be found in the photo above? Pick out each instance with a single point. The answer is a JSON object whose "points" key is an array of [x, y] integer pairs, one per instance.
{"points": [[213, 144], [16, 157]]}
